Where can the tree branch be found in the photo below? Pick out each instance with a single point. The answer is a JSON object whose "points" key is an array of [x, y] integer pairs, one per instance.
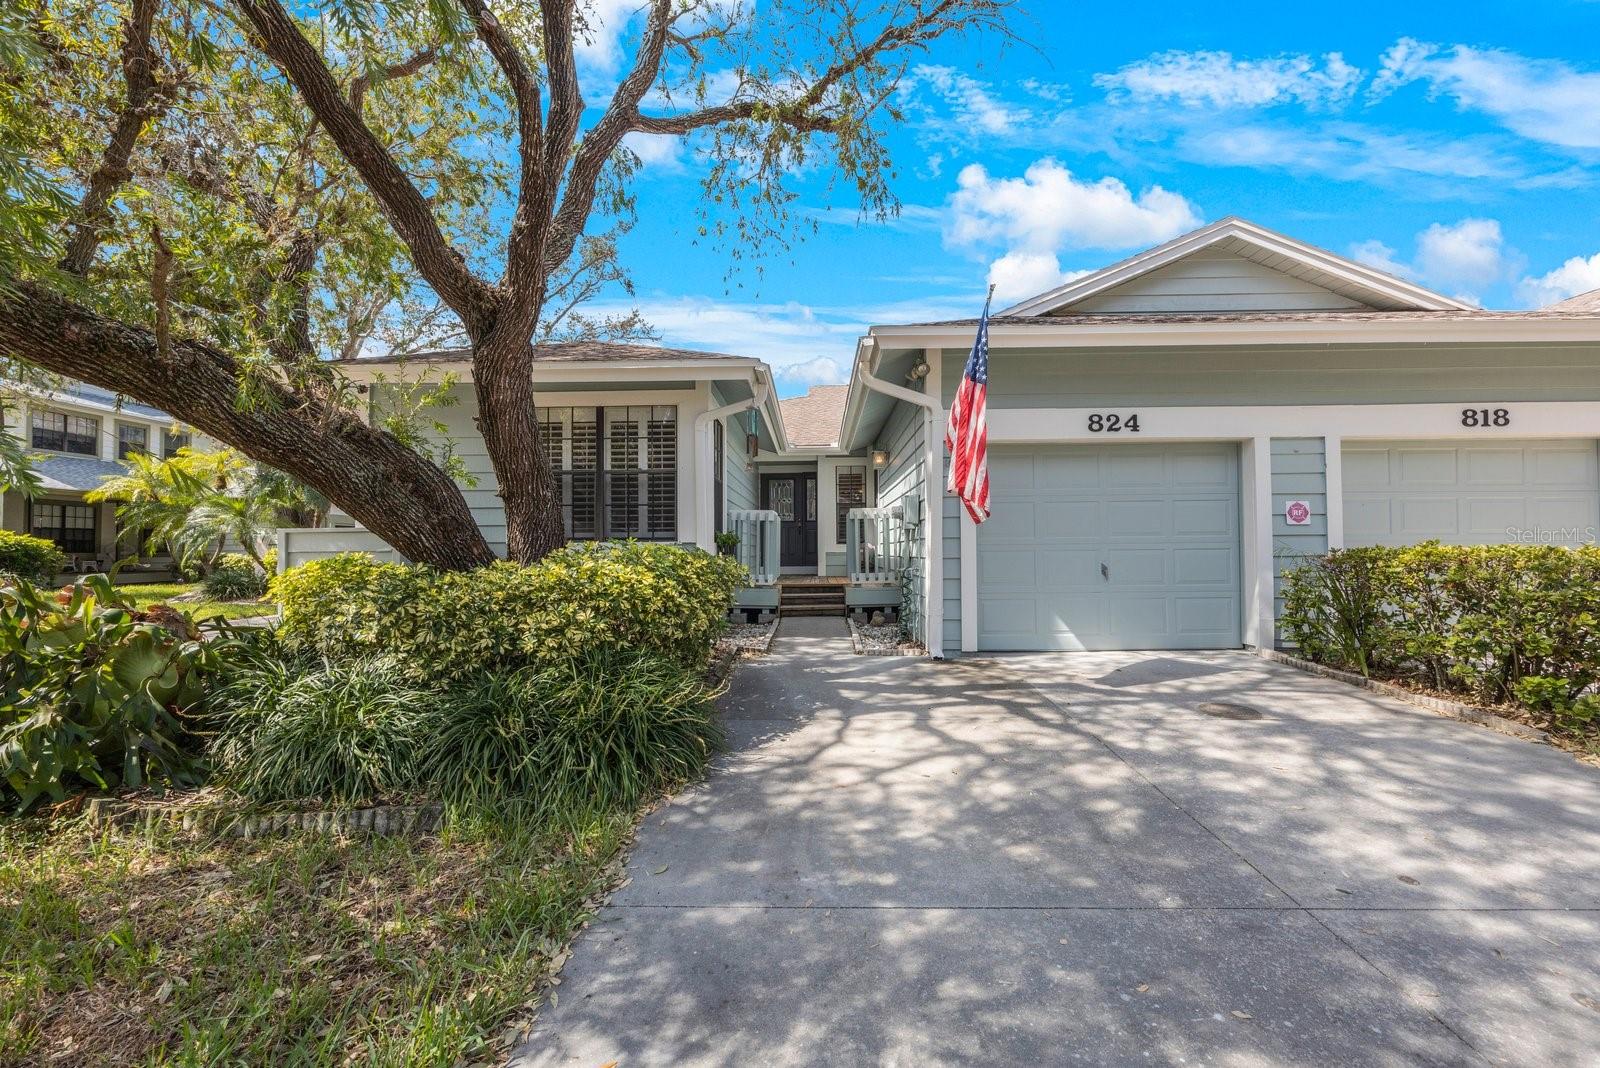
{"points": [[143, 99], [390, 489], [403, 204], [403, 69]]}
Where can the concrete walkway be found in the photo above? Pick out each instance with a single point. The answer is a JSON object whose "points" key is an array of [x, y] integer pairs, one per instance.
{"points": [[1063, 860]]}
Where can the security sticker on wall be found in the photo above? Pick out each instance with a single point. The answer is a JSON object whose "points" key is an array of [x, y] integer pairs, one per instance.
{"points": [[1298, 513]]}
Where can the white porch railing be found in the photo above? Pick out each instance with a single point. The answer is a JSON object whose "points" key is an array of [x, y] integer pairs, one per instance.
{"points": [[759, 533], [874, 544]]}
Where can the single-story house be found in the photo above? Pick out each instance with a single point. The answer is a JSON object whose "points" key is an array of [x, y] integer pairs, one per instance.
{"points": [[1166, 436], [80, 435]]}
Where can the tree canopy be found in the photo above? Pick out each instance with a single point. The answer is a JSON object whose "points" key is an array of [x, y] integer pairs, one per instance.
{"points": [[265, 189]]}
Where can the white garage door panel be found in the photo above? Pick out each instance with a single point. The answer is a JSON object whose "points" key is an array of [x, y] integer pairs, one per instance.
{"points": [[1401, 493], [1161, 520]]}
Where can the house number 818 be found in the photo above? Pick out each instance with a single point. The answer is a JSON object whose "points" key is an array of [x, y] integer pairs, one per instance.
{"points": [[1485, 417]]}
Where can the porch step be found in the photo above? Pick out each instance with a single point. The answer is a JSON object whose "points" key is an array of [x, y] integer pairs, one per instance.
{"points": [[810, 599], [812, 609], [811, 595]]}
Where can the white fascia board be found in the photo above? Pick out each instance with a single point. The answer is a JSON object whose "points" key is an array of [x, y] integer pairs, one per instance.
{"points": [[1146, 334], [1348, 271], [628, 370]]}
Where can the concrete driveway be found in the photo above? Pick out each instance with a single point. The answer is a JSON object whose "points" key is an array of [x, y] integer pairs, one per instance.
{"points": [[1059, 859]]}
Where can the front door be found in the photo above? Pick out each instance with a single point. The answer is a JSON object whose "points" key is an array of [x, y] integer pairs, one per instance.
{"points": [[794, 498]]}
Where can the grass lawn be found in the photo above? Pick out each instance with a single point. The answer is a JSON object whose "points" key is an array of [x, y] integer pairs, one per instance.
{"points": [[299, 949], [144, 595]]}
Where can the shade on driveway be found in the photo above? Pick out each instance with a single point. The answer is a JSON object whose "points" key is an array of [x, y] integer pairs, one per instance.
{"points": [[1063, 859]]}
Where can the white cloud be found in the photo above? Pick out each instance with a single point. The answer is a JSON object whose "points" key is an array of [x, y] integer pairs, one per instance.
{"points": [[1351, 151], [1047, 210], [658, 152], [801, 342], [973, 104], [1218, 80], [1577, 275], [602, 25], [1375, 253], [1471, 253], [819, 371], [1540, 99], [1465, 257], [1034, 218]]}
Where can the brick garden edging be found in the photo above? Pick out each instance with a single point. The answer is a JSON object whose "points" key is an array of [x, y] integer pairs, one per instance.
{"points": [[1444, 706], [382, 819]]}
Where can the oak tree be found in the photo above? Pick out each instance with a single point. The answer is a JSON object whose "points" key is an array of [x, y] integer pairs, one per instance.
{"points": [[265, 186]]}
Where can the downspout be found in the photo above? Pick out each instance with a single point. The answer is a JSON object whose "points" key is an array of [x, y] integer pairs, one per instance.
{"points": [[705, 517], [932, 489]]}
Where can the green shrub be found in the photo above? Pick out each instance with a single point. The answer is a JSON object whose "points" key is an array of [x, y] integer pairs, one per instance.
{"points": [[1504, 624], [345, 733], [1334, 606], [605, 730], [29, 558], [93, 694], [235, 577], [584, 599]]}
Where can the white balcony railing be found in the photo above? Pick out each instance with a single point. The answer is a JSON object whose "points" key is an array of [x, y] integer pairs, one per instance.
{"points": [[759, 543], [874, 544]]}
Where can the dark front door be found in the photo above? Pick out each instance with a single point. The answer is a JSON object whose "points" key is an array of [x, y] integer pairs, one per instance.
{"points": [[794, 498]]}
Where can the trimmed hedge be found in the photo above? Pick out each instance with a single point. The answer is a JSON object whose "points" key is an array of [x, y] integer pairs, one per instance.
{"points": [[580, 600], [32, 559], [1505, 624]]}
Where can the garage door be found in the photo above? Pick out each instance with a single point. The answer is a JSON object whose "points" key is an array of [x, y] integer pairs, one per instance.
{"points": [[1481, 493], [1110, 547]]}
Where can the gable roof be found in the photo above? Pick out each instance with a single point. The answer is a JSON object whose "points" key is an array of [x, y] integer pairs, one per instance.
{"points": [[814, 419], [1582, 304], [1363, 285]]}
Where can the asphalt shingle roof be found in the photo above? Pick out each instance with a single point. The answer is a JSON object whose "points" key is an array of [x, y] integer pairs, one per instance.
{"points": [[1582, 304], [75, 472], [568, 352], [815, 418], [1565, 310]]}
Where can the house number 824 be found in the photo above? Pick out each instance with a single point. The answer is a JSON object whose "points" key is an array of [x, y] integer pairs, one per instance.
{"points": [[1485, 417], [1112, 423]]}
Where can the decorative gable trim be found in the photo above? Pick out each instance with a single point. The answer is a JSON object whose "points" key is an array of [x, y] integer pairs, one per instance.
{"points": [[1339, 275]]}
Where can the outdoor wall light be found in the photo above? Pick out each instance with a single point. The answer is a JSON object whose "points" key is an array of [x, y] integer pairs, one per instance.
{"points": [[919, 370], [880, 459]]}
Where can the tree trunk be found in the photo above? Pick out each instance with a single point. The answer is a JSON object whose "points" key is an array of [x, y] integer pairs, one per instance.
{"points": [[510, 427], [390, 489]]}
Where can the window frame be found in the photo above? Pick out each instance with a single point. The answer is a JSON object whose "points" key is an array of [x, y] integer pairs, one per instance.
{"points": [[168, 437], [66, 432], [57, 534], [123, 449]]}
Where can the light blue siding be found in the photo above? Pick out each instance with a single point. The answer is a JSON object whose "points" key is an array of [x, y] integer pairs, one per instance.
{"points": [[1353, 374], [952, 568], [739, 473], [1299, 473], [1211, 281], [901, 438]]}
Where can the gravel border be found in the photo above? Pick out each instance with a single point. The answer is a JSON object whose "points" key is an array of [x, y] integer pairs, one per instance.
{"points": [[1443, 706], [883, 640]]}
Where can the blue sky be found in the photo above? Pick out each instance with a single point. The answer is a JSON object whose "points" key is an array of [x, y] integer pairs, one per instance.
{"points": [[1456, 144]]}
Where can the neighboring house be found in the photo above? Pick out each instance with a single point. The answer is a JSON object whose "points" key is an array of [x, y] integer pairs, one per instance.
{"points": [[668, 445], [79, 435], [1167, 435]]}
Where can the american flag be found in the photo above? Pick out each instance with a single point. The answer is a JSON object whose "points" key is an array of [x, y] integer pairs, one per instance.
{"points": [[967, 435]]}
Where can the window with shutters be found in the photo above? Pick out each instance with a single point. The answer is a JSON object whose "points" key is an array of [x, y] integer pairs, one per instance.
{"points": [[850, 491], [617, 468]]}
